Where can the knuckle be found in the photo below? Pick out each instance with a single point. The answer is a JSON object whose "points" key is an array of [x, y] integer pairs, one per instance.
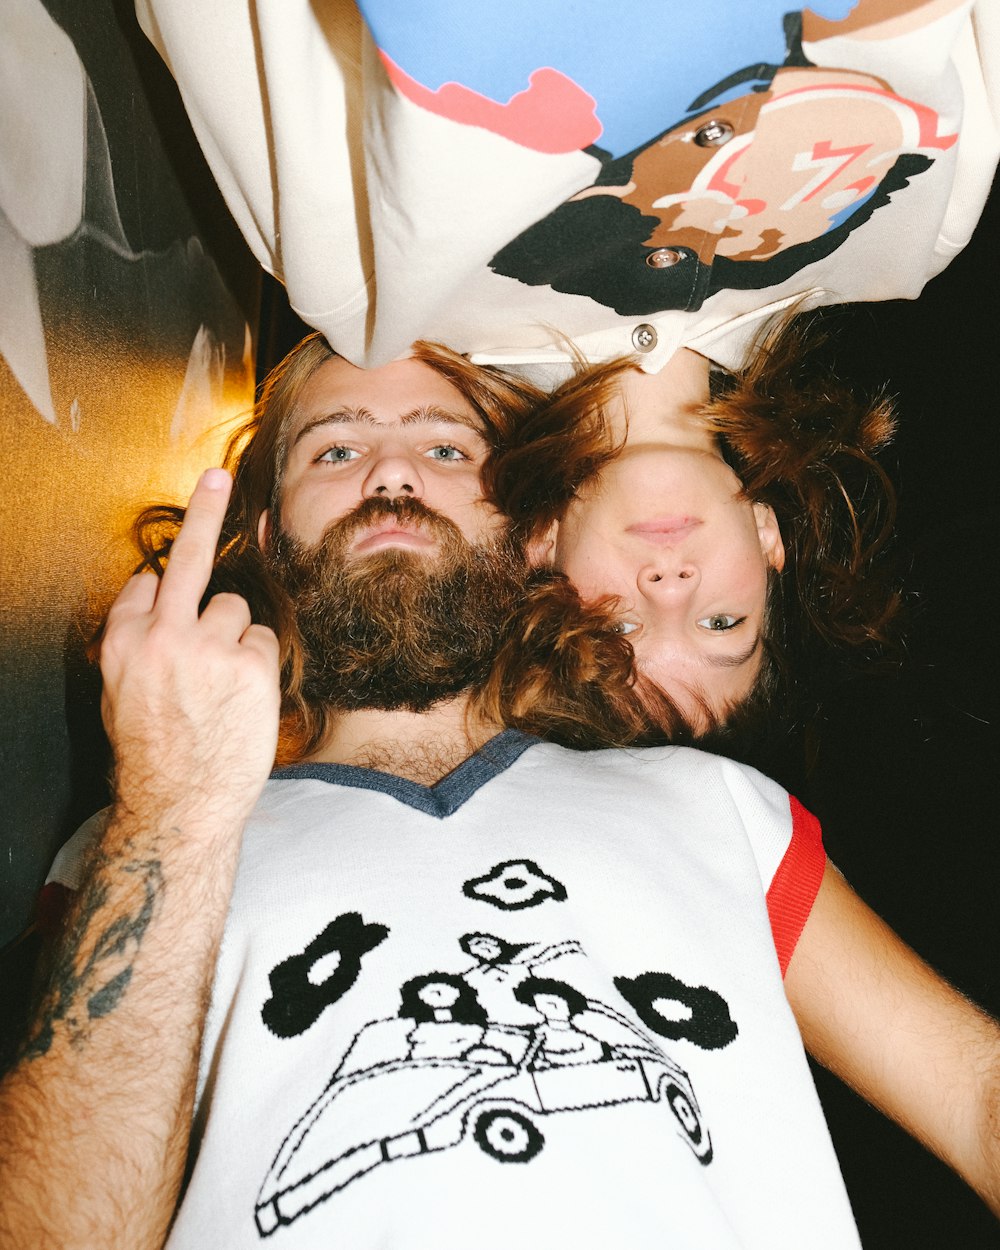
{"points": [[117, 640], [229, 601]]}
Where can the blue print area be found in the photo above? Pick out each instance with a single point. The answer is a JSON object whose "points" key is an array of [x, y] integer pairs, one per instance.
{"points": [[845, 214], [644, 64]]}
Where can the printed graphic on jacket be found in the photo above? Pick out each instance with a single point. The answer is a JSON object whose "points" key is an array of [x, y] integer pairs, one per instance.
{"points": [[478, 1059], [705, 183]]}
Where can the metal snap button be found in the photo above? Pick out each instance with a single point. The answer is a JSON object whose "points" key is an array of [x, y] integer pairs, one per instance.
{"points": [[644, 338], [664, 258], [713, 134]]}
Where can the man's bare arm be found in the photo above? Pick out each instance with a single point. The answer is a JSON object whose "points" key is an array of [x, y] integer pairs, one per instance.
{"points": [[874, 1013], [94, 1117]]}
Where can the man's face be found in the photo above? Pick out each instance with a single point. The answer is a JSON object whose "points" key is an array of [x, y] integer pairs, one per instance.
{"points": [[400, 573], [399, 432]]}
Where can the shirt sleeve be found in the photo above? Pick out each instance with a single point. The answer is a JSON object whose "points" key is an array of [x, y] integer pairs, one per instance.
{"points": [[796, 882], [68, 866], [787, 846]]}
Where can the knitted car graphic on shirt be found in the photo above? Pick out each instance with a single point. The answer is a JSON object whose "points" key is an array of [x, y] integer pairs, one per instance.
{"points": [[468, 1079]]}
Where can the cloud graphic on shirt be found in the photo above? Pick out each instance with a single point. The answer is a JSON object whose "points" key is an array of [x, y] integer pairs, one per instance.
{"points": [[514, 885], [305, 984]]}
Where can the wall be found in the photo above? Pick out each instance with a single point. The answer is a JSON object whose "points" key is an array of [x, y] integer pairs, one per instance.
{"points": [[126, 351]]}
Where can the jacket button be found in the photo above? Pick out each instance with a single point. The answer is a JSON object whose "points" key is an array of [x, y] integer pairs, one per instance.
{"points": [[713, 134], [664, 258], [644, 338]]}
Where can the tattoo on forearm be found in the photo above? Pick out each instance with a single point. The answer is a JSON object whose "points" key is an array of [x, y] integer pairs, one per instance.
{"points": [[85, 988]]}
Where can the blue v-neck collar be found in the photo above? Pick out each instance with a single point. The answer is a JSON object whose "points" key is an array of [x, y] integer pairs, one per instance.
{"points": [[442, 798]]}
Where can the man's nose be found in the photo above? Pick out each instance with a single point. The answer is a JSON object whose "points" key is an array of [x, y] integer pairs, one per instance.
{"points": [[671, 578], [394, 475]]}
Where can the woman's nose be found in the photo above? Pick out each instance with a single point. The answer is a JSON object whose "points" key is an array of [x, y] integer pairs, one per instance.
{"points": [[668, 578]]}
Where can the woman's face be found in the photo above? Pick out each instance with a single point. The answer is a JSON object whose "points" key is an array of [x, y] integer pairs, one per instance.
{"points": [[666, 530], [552, 1006], [484, 949], [438, 994]]}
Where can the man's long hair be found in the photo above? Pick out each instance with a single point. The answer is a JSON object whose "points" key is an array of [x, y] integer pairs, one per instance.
{"points": [[561, 671]]}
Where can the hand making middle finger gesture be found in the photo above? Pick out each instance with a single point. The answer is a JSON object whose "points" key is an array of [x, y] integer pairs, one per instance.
{"points": [[190, 701]]}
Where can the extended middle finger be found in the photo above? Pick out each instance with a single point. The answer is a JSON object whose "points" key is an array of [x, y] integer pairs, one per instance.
{"points": [[192, 555]]}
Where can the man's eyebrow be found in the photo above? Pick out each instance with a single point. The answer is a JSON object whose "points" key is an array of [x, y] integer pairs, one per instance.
{"points": [[734, 661], [426, 415]]}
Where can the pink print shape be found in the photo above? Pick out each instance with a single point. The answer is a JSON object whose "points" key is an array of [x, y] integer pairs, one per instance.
{"points": [[553, 115]]}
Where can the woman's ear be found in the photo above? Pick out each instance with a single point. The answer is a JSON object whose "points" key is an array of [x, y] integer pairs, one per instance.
{"points": [[541, 550], [264, 529], [770, 535]]}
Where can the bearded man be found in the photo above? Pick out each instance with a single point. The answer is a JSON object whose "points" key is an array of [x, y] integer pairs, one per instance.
{"points": [[260, 1022]]}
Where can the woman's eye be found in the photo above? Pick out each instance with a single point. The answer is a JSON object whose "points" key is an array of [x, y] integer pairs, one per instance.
{"points": [[625, 627], [721, 621], [445, 451], [338, 455]]}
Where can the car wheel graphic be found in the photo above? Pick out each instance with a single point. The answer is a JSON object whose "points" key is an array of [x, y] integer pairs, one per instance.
{"points": [[508, 1136], [687, 1117]]}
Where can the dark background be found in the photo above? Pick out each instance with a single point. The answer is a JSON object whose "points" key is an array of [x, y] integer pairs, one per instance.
{"points": [[907, 780], [905, 774]]}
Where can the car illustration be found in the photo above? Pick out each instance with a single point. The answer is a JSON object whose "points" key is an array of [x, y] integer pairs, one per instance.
{"points": [[495, 1096]]}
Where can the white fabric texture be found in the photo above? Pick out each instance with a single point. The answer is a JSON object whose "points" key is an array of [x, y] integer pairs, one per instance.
{"points": [[419, 188], [536, 1004]]}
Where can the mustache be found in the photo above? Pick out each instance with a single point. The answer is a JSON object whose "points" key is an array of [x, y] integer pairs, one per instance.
{"points": [[406, 509]]}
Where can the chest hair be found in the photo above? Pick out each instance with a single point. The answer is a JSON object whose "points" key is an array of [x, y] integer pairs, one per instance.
{"points": [[425, 763]]}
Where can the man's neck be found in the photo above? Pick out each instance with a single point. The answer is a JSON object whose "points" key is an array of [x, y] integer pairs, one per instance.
{"points": [[420, 746]]}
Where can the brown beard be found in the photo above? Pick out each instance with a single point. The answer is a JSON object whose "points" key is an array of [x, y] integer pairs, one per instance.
{"points": [[398, 628]]}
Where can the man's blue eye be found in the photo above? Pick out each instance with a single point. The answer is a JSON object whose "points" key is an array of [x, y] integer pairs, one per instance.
{"points": [[445, 451], [721, 621], [338, 455]]}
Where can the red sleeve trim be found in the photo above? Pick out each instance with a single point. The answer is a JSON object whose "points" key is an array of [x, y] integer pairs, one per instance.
{"points": [[796, 883]]}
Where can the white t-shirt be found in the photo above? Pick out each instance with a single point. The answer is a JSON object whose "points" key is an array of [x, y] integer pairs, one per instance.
{"points": [[536, 1004], [499, 177]]}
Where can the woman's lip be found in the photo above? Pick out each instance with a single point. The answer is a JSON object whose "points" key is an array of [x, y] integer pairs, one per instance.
{"points": [[665, 527]]}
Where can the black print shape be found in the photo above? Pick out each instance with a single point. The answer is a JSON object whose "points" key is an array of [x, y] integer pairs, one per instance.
{"points": [[508, 1136], [446, 1071], [516, 884], [296, 1003], [598, 246], [710, 1026]]}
